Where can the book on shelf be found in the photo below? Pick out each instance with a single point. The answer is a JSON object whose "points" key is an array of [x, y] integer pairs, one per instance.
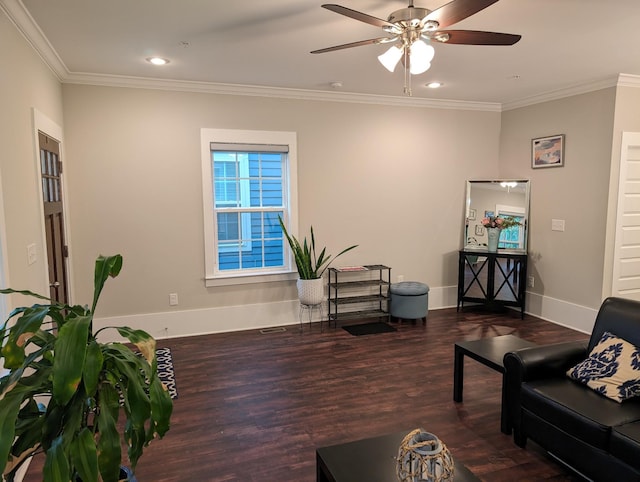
{"points": [[352, 268]]}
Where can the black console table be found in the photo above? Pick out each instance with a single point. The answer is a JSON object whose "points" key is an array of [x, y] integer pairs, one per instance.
{"points": [[493, 279]]}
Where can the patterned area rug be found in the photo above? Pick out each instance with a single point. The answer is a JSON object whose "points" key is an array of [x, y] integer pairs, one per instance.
{"points": [[165, 370]]}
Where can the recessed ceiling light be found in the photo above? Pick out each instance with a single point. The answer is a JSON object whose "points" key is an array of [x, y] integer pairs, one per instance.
{"points": [[434, 85], [157, 60]]}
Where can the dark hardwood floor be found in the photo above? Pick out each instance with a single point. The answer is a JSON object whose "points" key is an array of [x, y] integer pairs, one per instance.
{"points": [[254, 407]]}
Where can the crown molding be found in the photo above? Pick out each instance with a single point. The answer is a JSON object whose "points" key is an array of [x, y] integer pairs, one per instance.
{"points": [[276, 92], [29, 29], [562, 93], [628, 80]]}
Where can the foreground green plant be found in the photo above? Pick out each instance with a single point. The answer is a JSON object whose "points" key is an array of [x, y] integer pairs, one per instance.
{"points": [[63, 392], [309, 266]]}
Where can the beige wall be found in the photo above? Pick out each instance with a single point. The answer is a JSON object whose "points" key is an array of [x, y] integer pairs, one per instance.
{"points": [[566, 265], [390, 179], [25, 83]]}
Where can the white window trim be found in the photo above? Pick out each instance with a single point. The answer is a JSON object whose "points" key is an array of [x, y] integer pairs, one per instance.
{"points": [[207, 136]]}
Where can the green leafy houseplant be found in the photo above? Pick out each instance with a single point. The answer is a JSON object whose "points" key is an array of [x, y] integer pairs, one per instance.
{"points": [[55, 359], [309, 265]]}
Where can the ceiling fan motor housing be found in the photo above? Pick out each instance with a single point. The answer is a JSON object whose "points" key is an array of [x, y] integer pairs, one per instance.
{"points": [[409, 17]]}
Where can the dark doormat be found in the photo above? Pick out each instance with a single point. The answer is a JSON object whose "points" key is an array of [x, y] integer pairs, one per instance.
{"points": [[369, 328]]}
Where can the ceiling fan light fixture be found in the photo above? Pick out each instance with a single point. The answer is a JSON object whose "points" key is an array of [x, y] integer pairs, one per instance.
{"points": [[390, 58], [430, 25], [441, 37], [421, 69], [420, 56]]}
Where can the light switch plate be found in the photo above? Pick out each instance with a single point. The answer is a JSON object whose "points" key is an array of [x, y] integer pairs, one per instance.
{"points": [[32, 255]]}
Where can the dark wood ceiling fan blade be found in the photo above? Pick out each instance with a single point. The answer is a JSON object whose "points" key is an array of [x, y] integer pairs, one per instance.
{"points": [[457, 10], [475, 37], [363, 17], [371, 41]]}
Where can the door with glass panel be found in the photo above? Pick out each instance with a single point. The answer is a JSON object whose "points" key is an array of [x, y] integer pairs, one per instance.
{"points": [[56, 246]]}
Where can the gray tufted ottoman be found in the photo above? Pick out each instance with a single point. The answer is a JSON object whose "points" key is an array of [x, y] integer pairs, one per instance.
{"points": [[409, 300]]}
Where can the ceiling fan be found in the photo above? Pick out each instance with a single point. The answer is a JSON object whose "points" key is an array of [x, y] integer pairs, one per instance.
{"points": [[412, 29]]}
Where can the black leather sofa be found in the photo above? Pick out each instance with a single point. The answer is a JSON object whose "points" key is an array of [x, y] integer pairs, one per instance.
{"points": [[596, 436]]}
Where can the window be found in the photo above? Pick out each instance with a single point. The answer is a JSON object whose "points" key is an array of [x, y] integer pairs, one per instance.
{"points": [[513, 237], [248, 181]]}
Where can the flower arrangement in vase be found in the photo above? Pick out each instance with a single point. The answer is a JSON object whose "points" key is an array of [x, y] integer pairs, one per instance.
{"points": [[494, 224], [500, 223]]}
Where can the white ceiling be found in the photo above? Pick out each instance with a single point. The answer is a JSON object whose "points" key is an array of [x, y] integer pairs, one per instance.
{"points": [[565, 44]]}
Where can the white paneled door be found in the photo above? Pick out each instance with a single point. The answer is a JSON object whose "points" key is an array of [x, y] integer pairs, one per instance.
{"points": [[626, 263]]}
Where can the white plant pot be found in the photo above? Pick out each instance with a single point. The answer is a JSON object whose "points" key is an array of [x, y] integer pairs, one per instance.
{"points": [[310, 291]]}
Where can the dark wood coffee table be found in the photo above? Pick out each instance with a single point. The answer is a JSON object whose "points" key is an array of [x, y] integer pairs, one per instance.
{"points": [[489, 352], [370, 460]]}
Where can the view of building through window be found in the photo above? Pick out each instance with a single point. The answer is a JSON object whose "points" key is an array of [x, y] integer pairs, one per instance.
{"points": [[248, 188]]}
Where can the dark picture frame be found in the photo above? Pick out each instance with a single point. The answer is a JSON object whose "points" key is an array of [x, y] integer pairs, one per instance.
{"points": [[547, 151]]}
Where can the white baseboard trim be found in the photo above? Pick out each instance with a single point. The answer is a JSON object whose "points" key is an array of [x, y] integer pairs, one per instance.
{"points": [[563, 313], [443, 297], [175, 324]]}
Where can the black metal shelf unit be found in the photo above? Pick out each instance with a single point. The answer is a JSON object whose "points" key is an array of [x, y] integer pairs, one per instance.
{"points": [[358, 292]]}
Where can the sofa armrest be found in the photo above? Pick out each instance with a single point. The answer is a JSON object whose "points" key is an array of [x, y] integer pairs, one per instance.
{"points": [[533, 363], [544, 361]]}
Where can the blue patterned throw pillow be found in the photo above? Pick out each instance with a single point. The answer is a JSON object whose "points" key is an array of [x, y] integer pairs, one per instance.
{"points": [[612, 368]]}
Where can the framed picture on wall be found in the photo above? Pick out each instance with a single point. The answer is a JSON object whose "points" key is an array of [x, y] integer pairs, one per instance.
{"points": [[489, 214], [547, 152], [479, 230]]}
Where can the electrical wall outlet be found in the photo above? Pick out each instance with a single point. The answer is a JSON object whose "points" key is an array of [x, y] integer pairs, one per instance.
{"points": [[173, 299], [531, 281]]}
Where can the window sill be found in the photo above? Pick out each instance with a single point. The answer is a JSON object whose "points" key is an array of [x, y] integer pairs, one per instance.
{"points": [[249, 279]]}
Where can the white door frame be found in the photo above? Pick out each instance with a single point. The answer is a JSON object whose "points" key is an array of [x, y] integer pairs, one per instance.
{"points": [[42, 123]]}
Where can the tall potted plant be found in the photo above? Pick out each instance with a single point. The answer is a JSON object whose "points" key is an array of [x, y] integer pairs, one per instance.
{"points": [[65, 390], [310, 267]]}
